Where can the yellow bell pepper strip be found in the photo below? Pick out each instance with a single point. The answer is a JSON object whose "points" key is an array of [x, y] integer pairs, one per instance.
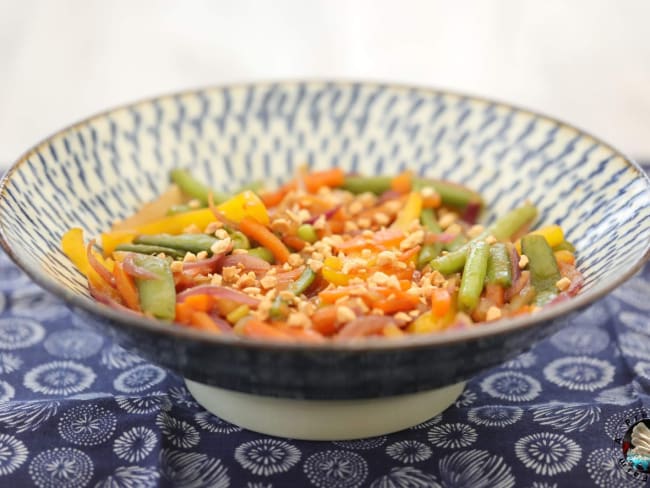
{"points": [[174, 224], [428, 322], [410, 212], [157, 296], [552, 233], [332, 273], [73, 246], [245, 204], [154, 210]]}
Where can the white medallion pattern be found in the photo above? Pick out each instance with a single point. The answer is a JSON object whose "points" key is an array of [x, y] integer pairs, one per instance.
{"points": [[116, 357], [512, 386], [635, 345], [13, 454], [178, 432], [59, 378], [87, 425], [31, 302], [476, 468], [619, 395], [523, 361], [495, 415], [452, 436], [336, 469], [61, 467], [27, 416], [409, 452], [139, 378], [548, 453], [9, 362], [566, 418], [605, 471], [642, 368], [635, 321], [193, 470], [131, 477], [73, 344], [135, 444], [267, 456], [467, 398], [580, 373], [428, 423], [180, 395], [581, 339], [154, 402], [406, 477], [362, 444], [635, 293], [212, 423], [7, 391], [19, 333]]}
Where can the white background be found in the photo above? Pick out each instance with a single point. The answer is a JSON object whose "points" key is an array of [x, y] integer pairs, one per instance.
{"points": [[587, 62]]}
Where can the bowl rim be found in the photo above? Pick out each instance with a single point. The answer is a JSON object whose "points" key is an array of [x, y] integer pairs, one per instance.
{"points": [[383, 345]]}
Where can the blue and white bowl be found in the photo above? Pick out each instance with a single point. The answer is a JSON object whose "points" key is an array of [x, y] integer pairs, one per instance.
{"points": [[102, 169]]}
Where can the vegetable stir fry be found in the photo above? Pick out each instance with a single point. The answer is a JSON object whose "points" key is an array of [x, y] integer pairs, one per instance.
{"points": [[327, 256]]}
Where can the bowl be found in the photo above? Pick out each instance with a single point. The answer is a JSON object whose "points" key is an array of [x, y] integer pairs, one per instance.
{"points": [[102, 169]]}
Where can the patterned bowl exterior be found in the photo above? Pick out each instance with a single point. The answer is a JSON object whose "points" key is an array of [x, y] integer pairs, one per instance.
{"points": [[104, 168]]}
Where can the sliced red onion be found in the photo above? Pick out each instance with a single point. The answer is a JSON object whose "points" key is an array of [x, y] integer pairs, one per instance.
{"points": [[97, 266], [388, 195], [224, 325], [248, 262], [364, 326], [109, 301], [514, 262], [136, 271], [209, 264], [328, 215], [471, 213], [220, 292]]}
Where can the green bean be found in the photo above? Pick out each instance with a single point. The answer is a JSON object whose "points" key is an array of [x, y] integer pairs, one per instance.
{"points": [[194, 188], [451, 194], [473, 279], [298, 287], [499, 268], [262, 253], [363, 184], [178, 209], [513, 221], [565, 246], [157, 296], [147, 249], [544, 271], [307, 233], [239, 240], [427, 253], [428, 220], [503, 229], [184, 242], [458, 242], [254, 186]]}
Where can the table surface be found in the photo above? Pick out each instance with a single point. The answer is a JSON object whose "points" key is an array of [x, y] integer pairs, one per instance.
{"points": [[77, 410]]}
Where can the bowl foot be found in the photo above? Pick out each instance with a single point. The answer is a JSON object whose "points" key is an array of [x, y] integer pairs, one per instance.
{"points": [[323, 420]]}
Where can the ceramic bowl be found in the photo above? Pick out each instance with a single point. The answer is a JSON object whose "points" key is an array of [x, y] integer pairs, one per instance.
{"points": [[103, 168]]}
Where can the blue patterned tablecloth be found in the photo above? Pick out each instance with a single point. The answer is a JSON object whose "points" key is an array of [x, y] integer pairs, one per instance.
{"points": [[76, 410]]}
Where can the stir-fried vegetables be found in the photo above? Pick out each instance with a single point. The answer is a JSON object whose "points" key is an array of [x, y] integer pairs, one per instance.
{"points": [[327, 256]]}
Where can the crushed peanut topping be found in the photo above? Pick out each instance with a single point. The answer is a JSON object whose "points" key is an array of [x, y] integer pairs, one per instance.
{"points": [[563, 284], [523, 261], [490, 239], [447, 219], [344, 314], [221, 246], [493, 313]]}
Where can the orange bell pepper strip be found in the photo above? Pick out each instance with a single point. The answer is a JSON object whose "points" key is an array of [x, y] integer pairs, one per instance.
{"points": [[126, 287]]}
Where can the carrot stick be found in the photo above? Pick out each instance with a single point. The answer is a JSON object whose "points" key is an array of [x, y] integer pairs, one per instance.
{"points": [[126, 287], [331, 177], [200, 303], [294, 242], [203, 321], [402, 182], [183, 313], [401, 303], [324, 320], [272, 199], [261, 330], [265, 237], [440, 302]]}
